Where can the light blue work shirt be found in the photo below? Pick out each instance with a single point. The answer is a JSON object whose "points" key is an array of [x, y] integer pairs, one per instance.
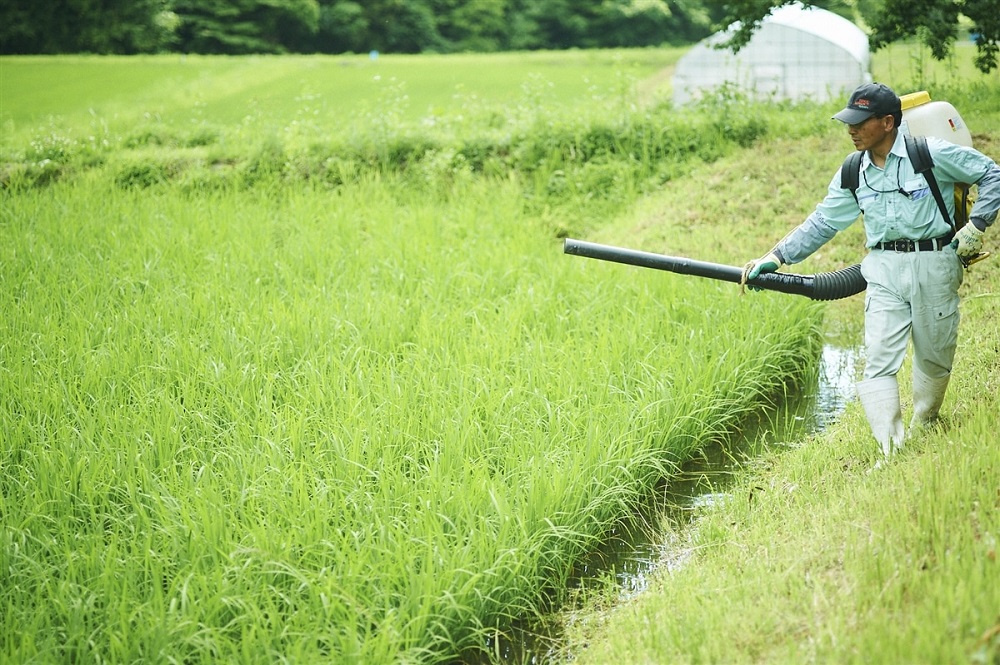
{"points": [[891, 214]]}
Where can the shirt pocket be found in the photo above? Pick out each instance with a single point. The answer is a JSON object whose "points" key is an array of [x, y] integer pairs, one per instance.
{"points": [[865, 200], [916, 187]]}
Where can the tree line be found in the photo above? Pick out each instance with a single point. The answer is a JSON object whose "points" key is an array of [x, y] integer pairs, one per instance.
{"points": [[444, 26], [342, 26]]}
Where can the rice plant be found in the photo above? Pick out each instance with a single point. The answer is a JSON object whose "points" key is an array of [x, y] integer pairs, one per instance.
{"points": [[375, 422]]}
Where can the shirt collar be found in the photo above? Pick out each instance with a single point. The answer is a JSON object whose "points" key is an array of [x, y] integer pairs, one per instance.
{"points": [[898, 148]]}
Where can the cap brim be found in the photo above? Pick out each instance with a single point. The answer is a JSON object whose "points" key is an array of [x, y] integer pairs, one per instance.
{"points": [[853, 116]]}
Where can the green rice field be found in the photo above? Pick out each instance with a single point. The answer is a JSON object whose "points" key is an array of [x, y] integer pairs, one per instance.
{"points": [[293, 368]]}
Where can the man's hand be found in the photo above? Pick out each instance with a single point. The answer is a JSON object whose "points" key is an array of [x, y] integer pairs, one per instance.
{"points": [[968, 241], [767, 263]]}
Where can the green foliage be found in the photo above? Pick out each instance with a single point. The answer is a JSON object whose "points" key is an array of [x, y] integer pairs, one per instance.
{"points": [[986, 30], [245, 26], [471, 26], [164, 137], [735, 116], [20, 177], [651, 22], [265, 164], [598, 162], [339, 26], [414, 26], [936, 23], [343, 28], [91, 26]]}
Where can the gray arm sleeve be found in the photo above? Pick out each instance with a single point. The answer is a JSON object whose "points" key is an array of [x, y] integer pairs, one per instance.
{"points": [[805, 239], [988, 202]]}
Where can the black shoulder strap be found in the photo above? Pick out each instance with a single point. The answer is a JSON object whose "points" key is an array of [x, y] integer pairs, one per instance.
{"points": [[923, 163], [850, 172], [919, 153]]}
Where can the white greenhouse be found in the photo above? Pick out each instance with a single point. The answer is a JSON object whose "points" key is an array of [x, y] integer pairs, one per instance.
{"points": [[798, 52]]}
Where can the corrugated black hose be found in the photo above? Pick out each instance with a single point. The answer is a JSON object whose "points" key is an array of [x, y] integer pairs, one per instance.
{"points": [[821, 286]]}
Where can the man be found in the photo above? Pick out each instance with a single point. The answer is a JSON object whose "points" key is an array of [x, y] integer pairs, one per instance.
{"points": [[915, 260]]}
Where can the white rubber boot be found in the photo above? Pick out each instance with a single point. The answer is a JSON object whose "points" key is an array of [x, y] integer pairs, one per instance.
{"points": [[928, 394], [880, 398]]}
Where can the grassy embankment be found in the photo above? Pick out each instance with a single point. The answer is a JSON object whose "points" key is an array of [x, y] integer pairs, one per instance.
{"points": [[279, 384], [813, 559]]}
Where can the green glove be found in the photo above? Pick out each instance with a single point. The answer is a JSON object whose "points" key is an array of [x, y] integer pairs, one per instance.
{"points": [[968, 241], [767, 263]]}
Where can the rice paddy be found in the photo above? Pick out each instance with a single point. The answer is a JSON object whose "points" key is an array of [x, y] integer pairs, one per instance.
{"points": [[370, 418]]}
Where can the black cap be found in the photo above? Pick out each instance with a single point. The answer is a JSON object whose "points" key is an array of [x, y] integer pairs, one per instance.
{"points": [[868, 100]]}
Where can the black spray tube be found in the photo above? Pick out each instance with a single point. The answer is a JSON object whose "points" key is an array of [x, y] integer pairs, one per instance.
{"points": [[821, 286]]}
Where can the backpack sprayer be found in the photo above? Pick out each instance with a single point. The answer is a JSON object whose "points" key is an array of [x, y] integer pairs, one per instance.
{"points": [[921, 117]]}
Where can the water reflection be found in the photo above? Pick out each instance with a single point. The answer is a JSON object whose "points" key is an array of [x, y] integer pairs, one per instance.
{"points": [[656, 539], [838, 370]]}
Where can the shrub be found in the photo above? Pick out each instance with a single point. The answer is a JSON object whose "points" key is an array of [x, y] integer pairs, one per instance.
{"points": [[143, 173]]}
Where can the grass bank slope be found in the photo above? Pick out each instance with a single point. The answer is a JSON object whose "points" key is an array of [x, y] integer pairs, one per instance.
{"points": [[815, 560]]}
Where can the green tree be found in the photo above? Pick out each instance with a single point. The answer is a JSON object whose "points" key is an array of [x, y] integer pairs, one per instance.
{"points": [[564, 23], [343, 28], [521, 27], [651, 22], [935, 22], [246, 26], [402, 26], [94, 26], [471, 25]]}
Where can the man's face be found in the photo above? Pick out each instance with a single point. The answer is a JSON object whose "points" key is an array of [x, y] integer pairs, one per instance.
{"points": [[870, 132]]}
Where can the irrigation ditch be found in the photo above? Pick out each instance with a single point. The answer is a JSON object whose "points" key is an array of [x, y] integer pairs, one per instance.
{"points": [[657, 537]]}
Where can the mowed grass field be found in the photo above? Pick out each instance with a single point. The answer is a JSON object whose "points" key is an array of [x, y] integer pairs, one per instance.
{"points": [[251, 415], [334, 94]]}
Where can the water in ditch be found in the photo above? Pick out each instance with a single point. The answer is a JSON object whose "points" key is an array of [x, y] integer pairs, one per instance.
{"points": [[632, 555]]}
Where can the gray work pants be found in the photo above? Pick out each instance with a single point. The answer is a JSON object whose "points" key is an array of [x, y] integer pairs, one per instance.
{"points": [[911, 296]]}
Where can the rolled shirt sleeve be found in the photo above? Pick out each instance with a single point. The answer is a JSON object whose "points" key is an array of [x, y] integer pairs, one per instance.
{"points": [[988, 203]]}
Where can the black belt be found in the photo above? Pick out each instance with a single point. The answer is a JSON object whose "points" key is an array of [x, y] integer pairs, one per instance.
{"points": [[931, 245]]}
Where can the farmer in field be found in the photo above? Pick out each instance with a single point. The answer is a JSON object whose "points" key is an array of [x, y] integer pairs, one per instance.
{"points": [[914, 262]]}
